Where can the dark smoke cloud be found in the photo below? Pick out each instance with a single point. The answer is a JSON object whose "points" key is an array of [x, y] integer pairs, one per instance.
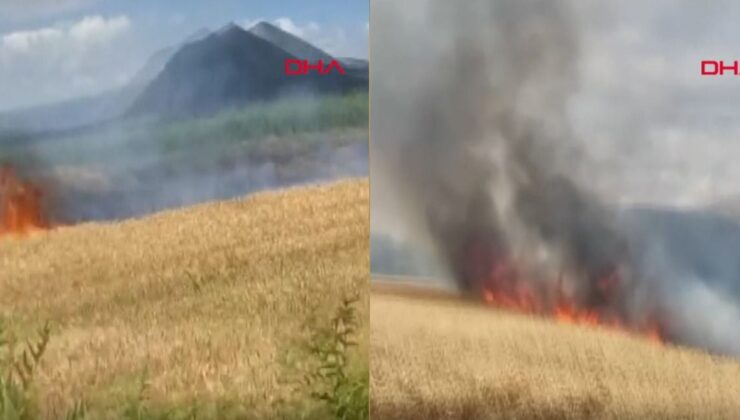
{"points": [[473, 139], [489, 153]]}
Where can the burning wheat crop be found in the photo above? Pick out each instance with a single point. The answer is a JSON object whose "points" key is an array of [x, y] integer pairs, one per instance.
{"points": [[21, 205], [487, 157]]}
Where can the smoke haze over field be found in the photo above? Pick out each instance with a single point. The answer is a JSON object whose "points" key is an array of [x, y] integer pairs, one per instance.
{"points": [[493, 131], [211, 115], [137, 192]]}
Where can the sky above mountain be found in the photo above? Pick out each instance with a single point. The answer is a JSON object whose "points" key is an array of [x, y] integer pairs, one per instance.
{"points": [[53, 50]]}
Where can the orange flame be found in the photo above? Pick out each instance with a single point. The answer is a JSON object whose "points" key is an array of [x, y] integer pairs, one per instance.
{"points": [[502, 287], [21, 210]]}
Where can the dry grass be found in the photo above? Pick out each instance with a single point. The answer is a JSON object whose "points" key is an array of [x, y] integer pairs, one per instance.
{"points": [[443, 358], [209, 301]]}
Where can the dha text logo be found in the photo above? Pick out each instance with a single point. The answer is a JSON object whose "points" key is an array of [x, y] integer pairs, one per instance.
{"points": [[296, 67], [719, 68]]}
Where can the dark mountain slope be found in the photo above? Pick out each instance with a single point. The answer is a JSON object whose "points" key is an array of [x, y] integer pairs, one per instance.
{"points": [[229, 68], [289, 42], [156, 63], [294, 45], [357, 68]]}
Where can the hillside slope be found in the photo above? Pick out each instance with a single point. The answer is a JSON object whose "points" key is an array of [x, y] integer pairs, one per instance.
{"points": [[100, 108], [289, 42], [228, 68], [208, 302], [435, 356]]}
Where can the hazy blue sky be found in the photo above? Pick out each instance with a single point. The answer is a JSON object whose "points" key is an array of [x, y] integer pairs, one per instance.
{"points": [[52, 50]]}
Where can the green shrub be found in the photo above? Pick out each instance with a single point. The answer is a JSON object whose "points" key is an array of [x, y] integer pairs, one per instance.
{"points": [[345, 393], [17, 369], [18, 365]]}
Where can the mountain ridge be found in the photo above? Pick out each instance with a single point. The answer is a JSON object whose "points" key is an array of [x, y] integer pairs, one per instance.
{"points": [[117, 103], [231, 67]]}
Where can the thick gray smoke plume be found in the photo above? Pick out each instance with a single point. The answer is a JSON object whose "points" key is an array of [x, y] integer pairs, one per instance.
{"points": [[471, 130], [489, 157]]}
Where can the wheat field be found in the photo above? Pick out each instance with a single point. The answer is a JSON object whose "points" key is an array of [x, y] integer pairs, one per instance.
{"points": [[208, 303], [439, 357]]}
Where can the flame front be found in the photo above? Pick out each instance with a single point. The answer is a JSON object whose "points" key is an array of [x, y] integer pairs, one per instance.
{"points": [[21, 209], [501, 285]]}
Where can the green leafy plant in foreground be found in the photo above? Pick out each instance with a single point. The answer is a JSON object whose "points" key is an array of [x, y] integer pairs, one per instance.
{"points": [[18, 366], [346, 393], [341, 391], [16, 375]]}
